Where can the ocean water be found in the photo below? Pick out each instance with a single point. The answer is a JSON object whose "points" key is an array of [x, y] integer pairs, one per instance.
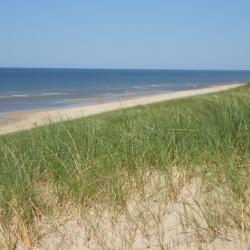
{"points": [[31, 89]]}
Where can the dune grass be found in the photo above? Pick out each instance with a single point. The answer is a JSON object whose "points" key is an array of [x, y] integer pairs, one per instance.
{"points": [[89, 161]]}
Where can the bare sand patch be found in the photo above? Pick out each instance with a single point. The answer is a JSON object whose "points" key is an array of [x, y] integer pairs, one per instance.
{"points": [[151, 219]]}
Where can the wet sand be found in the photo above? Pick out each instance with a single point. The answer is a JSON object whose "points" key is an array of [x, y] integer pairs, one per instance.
{"points": [[27, 120]]}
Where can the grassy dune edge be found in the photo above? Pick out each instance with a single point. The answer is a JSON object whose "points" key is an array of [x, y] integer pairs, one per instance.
{"points": [[171, 175]]}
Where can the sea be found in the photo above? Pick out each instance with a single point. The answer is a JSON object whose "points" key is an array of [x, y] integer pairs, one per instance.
{"points": [[27, 89]]}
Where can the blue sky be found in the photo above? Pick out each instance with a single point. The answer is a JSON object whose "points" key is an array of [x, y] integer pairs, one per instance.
{"points": [[171, 34]]}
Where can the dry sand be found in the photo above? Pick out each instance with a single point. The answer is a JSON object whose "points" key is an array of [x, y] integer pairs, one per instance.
{"points": [[27, 120], [150, 220]]}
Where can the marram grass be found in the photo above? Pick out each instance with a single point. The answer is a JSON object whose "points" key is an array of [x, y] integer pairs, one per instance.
{"points": [[89, 161]]}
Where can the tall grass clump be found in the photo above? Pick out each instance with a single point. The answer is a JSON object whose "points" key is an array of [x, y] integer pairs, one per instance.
{"points": [[95, 160]]}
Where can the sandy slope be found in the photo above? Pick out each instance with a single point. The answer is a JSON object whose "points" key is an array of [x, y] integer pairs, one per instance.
{"points": [[27, 120], [150, 220]]}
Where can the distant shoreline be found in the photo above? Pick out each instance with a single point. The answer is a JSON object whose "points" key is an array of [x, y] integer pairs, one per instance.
{"points": [[33, 89], [27, 120]]}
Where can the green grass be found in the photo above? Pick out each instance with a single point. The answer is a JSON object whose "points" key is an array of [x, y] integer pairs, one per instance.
{"points": [[90, 160]]}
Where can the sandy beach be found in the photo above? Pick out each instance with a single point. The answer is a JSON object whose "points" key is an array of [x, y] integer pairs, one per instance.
{"points": [[27, 120]]}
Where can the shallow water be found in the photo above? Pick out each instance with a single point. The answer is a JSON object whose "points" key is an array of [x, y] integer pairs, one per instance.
{"points": [[31, 89], [4, 120]]}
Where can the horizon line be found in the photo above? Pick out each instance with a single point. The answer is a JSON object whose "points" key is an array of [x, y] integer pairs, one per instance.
{"points": [[120, 68]]}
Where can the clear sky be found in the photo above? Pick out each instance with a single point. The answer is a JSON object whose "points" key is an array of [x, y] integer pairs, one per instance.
{"points": [[171, 34]]}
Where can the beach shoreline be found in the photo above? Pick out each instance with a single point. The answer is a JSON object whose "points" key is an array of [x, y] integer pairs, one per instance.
{"points": [[30, 119]]}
